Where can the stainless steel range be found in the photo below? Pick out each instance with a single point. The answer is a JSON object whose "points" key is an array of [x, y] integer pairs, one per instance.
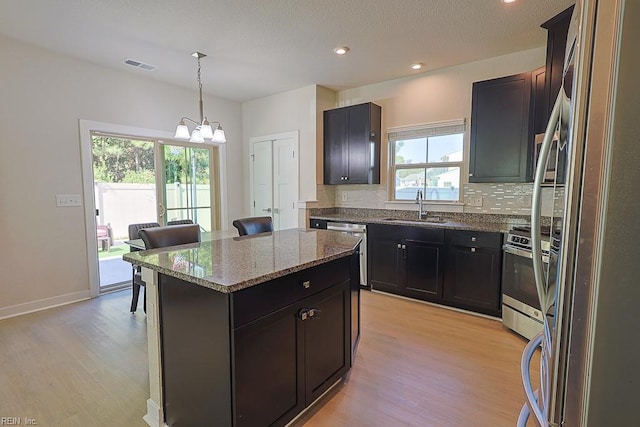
{"points": [[520, 303]]}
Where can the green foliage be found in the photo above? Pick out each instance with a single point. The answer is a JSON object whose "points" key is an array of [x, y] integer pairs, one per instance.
{"points": [[179, 163], [122, 160], [131, 161]]}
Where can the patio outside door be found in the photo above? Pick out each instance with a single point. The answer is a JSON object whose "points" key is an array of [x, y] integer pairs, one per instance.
{"points": [[186, 186], [125, 193]]}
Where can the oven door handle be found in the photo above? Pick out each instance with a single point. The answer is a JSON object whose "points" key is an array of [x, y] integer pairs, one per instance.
{"points": [[523, 253]]}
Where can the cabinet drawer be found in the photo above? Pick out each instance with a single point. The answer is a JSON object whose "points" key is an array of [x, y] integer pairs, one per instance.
{"points": [[399, 232], [476, 239], [254, 302], [318, 223]]}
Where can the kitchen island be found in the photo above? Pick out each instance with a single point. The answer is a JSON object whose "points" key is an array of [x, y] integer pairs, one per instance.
{"points": [[251, 330]]}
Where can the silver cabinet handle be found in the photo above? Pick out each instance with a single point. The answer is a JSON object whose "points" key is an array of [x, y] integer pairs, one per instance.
{"points": [[473, 250], [404, 246], [399, 246], [306, 284], [473, 239]]}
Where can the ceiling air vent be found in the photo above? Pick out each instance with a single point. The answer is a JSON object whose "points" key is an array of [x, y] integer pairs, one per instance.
{"points": [[139, 64]]}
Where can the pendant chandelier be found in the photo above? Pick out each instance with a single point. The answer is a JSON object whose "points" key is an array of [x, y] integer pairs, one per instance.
{"points": [[203, 130]]}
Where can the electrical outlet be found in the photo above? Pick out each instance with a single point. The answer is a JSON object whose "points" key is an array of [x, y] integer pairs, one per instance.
{"points": [[475, 201], [68, 200], [343, 197]]}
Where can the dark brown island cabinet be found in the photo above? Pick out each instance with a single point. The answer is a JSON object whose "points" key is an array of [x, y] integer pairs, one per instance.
{"points": [[457, 268], [352, 144], [261, 355]]}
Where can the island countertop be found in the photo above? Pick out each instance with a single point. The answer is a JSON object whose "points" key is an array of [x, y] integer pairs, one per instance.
{"points": [[231, 264]]}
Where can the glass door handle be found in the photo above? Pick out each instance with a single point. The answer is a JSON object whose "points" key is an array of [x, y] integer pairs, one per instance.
{"points": [[266, 210], [163, 210]]}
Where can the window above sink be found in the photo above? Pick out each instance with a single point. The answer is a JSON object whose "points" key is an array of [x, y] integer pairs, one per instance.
{"points": [[427, 157]]}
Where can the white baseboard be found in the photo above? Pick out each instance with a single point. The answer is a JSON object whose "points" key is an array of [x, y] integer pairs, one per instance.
{"points": [[154, 416], [43, 304]]}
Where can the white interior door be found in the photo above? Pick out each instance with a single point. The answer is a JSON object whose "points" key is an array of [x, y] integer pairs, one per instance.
{"points": [[262, 180], [274, 178], [285, 183]]}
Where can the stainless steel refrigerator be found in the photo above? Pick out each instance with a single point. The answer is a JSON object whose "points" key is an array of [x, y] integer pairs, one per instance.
{"points": [[590, 350]]}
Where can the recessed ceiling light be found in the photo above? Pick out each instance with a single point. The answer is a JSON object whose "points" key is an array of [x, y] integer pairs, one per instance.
{"points": [[508, 1], [341, 50], [416, 66]]}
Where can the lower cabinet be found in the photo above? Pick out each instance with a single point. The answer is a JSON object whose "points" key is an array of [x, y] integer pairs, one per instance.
{"points": [[258, 356], [472, 276], [406, 260], [453, 267], [287, 359]]}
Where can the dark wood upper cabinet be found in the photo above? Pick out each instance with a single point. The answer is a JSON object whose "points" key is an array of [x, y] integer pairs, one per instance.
{"points": [[539, 100], [501, 138], [557, 30], [352, 144]]}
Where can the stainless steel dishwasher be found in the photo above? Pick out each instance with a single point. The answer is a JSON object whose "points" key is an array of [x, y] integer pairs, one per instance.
{"points": [[357, 230]]}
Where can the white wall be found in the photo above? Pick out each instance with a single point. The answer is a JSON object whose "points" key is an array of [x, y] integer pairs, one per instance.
{"points": [[289, 111], [425, 98], [43, 258]]}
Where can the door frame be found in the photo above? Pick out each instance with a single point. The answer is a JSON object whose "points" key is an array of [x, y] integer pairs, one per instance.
{"points": [[88, 193], [273, 137]]}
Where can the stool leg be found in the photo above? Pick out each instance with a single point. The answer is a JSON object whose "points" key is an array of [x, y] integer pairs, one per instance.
{"points": [[134, 299], [144, 300]]}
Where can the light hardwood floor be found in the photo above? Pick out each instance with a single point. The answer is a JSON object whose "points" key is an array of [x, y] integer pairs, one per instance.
{"points": [[417, 365]]}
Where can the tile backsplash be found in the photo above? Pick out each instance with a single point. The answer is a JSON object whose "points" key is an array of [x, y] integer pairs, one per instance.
{"points": [[499, 198]]}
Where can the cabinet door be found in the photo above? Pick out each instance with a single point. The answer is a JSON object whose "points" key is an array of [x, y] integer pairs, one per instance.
{"points": [[359, 136], [336, 124], [539, 101], [423, 269], [500, 143], [473, 279], [327, 350], [268, 370], [384, 260]]}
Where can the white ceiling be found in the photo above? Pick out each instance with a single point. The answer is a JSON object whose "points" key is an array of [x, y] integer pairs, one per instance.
{"points": [[260, 47]]}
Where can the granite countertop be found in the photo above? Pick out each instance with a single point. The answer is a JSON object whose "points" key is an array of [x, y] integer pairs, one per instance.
{"points": [[230, 264], [471, 224]]}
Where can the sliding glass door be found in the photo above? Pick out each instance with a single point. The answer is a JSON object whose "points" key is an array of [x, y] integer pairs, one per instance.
{"points": [[188, 190]]}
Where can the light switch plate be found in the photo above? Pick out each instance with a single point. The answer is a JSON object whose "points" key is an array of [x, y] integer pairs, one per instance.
{"points": [[68, 200], [475, 201], [343, 197]]}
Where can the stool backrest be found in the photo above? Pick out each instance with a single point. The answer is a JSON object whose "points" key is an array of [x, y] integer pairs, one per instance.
{"points": [[253, 225], [171, 235]]}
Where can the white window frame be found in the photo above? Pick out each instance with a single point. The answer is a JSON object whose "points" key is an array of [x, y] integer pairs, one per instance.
{"points": [[424, 131]]}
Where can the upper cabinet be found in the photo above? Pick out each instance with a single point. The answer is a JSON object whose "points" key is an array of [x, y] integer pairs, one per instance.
{"points": [[500, 143], [507, 113], [557, 30], [352, 145]]}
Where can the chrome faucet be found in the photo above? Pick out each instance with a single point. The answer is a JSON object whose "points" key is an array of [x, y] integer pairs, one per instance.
{"points": [[419, 200]]}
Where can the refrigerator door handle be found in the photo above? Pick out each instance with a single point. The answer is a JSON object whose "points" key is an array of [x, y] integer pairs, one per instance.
{"points": [[533, 404], [536, 203]]}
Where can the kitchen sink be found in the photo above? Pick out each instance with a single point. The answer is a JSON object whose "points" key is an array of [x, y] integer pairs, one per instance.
{"points": [[434, 220]]}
